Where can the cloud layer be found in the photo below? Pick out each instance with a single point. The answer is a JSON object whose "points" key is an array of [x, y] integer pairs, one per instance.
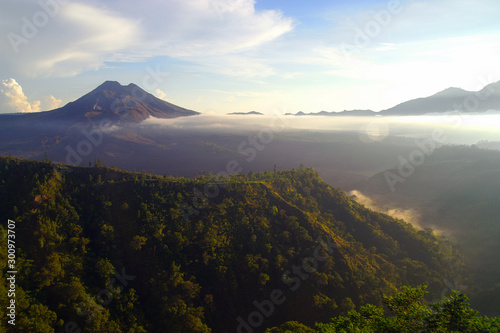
{"points": [[52, 38], [236, 45]]}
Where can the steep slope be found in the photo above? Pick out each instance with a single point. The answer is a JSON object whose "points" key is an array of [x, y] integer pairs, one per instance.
{"points": [[201, 254]]}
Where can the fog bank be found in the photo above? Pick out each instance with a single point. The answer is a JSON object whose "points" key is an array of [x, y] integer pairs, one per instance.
{"points": [[457, 128]]}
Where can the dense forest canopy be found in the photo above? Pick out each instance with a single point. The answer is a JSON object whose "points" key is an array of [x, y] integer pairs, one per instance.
{"points": [[105, 250]]}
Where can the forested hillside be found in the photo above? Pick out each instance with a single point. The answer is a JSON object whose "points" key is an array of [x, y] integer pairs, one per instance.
{"points": [[456, 190], [104, 250]]}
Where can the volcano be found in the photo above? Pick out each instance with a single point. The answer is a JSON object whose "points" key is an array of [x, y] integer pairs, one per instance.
{"points": [[119, 103], [106, 108], [111, 101]]}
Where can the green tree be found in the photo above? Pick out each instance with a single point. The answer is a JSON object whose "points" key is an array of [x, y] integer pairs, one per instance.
{"points": [[290, 327]]}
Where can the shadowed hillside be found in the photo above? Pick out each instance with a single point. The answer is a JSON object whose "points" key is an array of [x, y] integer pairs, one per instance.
{"points": [[199, 253]]}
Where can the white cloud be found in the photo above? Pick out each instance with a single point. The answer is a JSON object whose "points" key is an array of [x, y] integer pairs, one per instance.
{"points": [[232, 65], [13, 100], [73, 37], [210, 27], [52, 103], [67, 39], [160, 94], [422, 50]]}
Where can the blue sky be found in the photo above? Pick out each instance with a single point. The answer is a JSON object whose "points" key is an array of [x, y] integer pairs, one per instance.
{"points": [[219, 56]]}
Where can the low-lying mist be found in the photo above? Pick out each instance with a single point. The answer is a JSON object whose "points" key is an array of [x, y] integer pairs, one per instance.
{"points": [[345, 151], [457, 128], [409, 215]]}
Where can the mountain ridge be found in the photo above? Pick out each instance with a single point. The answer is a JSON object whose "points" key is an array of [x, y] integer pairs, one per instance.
{"points": [[200, 267], [447, 100]]}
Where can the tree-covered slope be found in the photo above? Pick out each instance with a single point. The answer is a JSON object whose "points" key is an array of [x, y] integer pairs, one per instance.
{"points": [[104, 250], [456, 190]]}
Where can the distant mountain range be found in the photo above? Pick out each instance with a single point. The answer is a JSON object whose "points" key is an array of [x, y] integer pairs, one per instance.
{"points": [[107, 123], [131, 104], [451, 99], [355, 113], [251, 113]]}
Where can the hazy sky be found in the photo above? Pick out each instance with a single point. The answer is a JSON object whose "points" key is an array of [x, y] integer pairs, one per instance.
{"points": [[242, 55]]}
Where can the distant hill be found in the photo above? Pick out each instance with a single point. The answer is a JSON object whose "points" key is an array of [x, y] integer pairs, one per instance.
{"points": [[117, 251], [451, 99], [251, 113], [440, 102], [353, 113]]}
